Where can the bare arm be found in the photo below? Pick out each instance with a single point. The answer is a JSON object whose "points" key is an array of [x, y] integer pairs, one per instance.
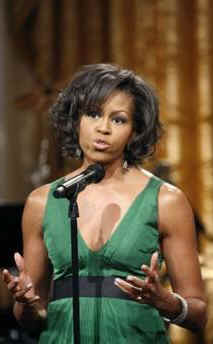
{"points": [[31, 288], [177, 230], [180, 251]]}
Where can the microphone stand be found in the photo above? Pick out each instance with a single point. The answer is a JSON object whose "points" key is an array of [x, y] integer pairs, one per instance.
{"points": [[73, 213], [97, 172]]}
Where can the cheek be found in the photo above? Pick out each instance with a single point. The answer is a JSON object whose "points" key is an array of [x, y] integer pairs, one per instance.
{"points": [[122, 140], [126, 137], [83, 128], [84, 134]]}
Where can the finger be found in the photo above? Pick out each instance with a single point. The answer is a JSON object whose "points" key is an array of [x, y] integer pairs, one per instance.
{"points": [[27, 288], [13, 285], [26, 300], [151, 275], [19, 261], [23, 292], [148, 271], [135, 281], [154, 261], [7, 276], [127, 287], [34, 299], [22, 295], [153, 266]]}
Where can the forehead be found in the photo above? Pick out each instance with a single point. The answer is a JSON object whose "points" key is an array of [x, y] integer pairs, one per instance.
{"points": [[119, 100]]}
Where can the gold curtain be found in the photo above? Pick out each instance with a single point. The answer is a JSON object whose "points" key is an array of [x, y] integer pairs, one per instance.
{"points": [[168, 42]]}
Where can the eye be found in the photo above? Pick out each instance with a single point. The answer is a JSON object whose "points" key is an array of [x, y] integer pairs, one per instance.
{"points": [[93, 114], [119, 119]]}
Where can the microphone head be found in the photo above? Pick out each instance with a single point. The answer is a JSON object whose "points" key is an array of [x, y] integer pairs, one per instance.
{"points": [[93, 174], [99, 172]]}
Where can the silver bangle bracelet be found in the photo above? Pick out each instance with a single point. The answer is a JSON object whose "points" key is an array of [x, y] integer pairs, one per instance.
{"points": [[184, 311]]}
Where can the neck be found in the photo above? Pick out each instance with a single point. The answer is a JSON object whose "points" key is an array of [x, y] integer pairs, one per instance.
{"points": [[113, 170]]}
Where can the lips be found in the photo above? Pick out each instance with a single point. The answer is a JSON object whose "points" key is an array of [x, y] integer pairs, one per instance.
{"points": [[101, 144]]}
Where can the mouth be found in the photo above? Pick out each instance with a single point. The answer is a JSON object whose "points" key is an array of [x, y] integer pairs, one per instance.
{"points": [[101, 145]]}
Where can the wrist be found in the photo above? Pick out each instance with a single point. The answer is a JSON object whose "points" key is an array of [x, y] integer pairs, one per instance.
{"points": [[168, 304], [178, 317]]}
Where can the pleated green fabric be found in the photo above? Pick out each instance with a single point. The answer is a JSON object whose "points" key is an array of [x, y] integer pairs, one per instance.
{"points": [[105, 320]]}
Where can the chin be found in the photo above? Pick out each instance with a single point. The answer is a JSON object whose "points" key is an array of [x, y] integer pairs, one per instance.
{"points": [[94, 160], [102, 158]]}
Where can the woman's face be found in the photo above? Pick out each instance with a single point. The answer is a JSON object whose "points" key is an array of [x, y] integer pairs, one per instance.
{"points": [[103, 135]]}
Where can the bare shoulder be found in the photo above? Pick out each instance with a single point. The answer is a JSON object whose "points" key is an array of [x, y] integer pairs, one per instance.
{"points": [[34, 208], [175, 210], [170, 194], [37, 198]]}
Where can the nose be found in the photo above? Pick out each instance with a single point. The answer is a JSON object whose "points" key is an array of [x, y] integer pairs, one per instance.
{"points": [[103, 126]]}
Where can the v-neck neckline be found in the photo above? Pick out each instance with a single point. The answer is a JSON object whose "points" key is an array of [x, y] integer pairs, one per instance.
{"points": [[117, 228]]}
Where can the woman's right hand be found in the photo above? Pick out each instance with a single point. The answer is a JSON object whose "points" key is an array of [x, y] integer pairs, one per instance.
{"points": [[20, 286]]}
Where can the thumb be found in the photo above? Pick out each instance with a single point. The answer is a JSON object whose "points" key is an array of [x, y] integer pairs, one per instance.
{"points": [[19, 260]]}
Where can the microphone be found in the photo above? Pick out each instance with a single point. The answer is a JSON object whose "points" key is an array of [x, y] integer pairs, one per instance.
{"points": [[93, 174]]}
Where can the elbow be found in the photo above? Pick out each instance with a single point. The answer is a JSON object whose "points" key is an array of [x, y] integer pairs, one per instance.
{"points": [[201, 318], [203, 315]]}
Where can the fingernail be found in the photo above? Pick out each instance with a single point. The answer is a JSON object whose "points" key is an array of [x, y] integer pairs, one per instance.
{"points": [[117, 280]]}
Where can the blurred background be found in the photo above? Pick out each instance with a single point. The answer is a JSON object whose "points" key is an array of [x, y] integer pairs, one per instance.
{"points": [[43, 42]]}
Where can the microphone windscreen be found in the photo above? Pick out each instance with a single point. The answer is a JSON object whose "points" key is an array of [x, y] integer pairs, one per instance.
{"points": [[99, 172]]}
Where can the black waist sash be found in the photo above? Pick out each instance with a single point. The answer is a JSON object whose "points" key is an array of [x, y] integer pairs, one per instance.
{"points": [[91, 286]]}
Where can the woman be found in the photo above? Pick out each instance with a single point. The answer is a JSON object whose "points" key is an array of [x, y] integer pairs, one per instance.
{"points": [[128, 223]]}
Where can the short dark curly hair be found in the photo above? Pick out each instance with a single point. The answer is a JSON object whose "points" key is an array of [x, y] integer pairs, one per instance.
{"points": [[87, 92]]}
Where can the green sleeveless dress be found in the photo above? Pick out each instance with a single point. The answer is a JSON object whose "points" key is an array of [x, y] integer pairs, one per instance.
{"points": [[105, 320]]}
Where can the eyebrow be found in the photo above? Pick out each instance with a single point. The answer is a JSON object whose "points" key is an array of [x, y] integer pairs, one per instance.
{"points": [[121, 111]]}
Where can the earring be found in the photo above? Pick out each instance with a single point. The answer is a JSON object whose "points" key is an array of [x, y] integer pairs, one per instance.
{"points": [[125, 165], [78, 153]]}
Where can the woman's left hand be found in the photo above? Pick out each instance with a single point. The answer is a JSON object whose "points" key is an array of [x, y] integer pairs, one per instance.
{"points": [[149, 290]]}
